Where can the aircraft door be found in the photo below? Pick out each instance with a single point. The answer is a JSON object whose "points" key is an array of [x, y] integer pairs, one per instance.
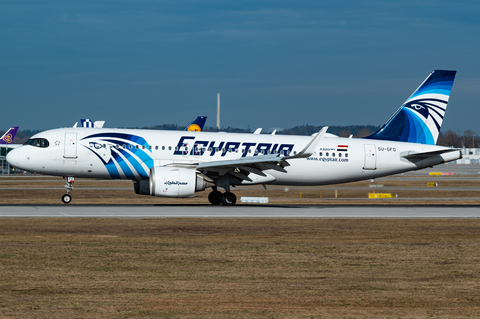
{"points": [[70, 146], [370, 157]]}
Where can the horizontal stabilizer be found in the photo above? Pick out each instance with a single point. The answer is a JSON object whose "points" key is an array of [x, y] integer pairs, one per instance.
{"points": [[420, 155]]}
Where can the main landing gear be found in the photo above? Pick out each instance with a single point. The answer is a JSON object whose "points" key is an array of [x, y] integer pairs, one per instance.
{"points": [[217, 198], [67, 198]]}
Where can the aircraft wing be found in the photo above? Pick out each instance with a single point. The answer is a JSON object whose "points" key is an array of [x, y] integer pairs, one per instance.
{"points": [[242, 167]]}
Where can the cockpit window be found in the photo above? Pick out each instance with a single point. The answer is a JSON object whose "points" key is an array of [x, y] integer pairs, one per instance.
{"points": [[38, 142]]}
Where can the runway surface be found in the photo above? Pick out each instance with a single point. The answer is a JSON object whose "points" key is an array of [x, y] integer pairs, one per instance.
{"points": [[239, 211]]}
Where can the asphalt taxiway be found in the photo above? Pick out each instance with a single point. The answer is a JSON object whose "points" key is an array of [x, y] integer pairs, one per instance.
{"points": [[238, 211]]}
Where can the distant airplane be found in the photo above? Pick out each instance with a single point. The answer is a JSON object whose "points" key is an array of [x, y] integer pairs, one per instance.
{"points": [[9, 135], [196, 125], [179, 163], [89, 123], [7, 138]]}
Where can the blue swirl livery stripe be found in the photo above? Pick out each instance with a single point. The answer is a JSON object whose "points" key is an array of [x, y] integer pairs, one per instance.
{"points": [[125, 168], [112, 170], [133, 161]]}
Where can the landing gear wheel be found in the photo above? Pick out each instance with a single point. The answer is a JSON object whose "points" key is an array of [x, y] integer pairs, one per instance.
{"points": [[215, 198], [229, 199], [66, 198]]}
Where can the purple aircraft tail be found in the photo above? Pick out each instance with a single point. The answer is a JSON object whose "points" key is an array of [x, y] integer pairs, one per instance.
{"points": [[8, 137]]}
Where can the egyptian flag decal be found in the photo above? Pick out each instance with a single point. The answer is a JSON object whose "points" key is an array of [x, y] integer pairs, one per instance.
{"points": [[342, 148]]}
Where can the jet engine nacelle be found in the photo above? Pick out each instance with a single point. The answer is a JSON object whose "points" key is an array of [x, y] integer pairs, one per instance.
{"points": [[175, 182]]}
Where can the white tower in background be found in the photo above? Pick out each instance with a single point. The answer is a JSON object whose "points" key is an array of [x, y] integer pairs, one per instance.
{"points": [[218, 111]]}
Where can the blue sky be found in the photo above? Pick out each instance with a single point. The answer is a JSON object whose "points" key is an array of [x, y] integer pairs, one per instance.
{"points": [[275, 63]]}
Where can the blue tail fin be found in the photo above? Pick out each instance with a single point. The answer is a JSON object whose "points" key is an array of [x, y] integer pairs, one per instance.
{"points": [[87, 123], [9, 135], [419, 119], [197, 124]]}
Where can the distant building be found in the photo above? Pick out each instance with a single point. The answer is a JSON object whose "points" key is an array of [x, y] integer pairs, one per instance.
{"points": [[470, 156]]}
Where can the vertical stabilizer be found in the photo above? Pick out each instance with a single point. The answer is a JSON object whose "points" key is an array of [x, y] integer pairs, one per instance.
{"points": [[196, 125], [419, 119], [8, 137]]}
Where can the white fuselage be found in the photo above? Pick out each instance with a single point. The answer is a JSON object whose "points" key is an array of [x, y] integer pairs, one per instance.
{"points": [[130, 154]]}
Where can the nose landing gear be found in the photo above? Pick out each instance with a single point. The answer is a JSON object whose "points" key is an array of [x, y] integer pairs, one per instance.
{"points": [[67, 198]]}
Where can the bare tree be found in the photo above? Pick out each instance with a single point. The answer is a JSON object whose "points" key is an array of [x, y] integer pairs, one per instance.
{"points": [[468, 138], [345, 133], [449, 138], [363, 132]]}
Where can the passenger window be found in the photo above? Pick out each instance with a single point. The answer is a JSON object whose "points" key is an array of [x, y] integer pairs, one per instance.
{"points": [[320, 154], [163, 148], [169, 148], [326, 154], [346, 154], [333, 154], [339, 154]]}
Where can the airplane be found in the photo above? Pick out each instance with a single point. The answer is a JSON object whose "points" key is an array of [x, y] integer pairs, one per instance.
{"points": [[7, 138], [179, 163], [89, 123], [196, 125], [6, 141]]}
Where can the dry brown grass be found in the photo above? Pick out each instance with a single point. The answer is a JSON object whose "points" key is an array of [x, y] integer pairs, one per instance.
{"points": [[48, 190], [213, 268]]}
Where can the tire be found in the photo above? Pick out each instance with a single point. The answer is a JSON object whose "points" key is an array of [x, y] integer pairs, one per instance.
{"points": [[229, 199], [66, 198], [215, 198]]}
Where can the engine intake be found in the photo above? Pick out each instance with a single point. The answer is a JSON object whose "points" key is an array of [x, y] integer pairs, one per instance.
{"points": [[175, 182]]}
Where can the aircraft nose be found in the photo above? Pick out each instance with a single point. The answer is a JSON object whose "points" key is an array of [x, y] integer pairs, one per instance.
{"points": [[13, 158]]}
